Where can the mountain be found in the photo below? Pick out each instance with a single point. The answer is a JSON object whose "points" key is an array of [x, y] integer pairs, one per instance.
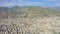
{"points": [[25, 11], [4, 11], [56, 8]]}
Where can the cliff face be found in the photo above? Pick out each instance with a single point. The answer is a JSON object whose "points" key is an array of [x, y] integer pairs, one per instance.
{"points": [[45, 25]]}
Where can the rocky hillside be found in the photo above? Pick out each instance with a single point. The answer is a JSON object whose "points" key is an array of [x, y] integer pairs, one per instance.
{"points": [[45, 25], [29, 20]]}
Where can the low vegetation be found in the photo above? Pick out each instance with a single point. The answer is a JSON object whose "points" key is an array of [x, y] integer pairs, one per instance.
{"points": [[29, 20]]}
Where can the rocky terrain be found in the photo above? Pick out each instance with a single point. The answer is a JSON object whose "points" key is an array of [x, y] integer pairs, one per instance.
{"points": [[45, 25], [29, 20]]}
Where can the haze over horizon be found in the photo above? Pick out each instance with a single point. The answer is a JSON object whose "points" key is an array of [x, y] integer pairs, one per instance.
{"points": [[49, 3]]}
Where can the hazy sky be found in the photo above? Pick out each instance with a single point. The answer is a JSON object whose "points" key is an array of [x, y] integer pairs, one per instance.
{"points": [[10, 3]]}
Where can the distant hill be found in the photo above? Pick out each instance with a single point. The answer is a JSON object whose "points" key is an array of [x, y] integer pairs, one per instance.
{"points": [[56, 8], [4, 11], [28, 11]]}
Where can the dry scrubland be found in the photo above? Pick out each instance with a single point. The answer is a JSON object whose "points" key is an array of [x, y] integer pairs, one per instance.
{"points": [[29, 20], [45, 25]]}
